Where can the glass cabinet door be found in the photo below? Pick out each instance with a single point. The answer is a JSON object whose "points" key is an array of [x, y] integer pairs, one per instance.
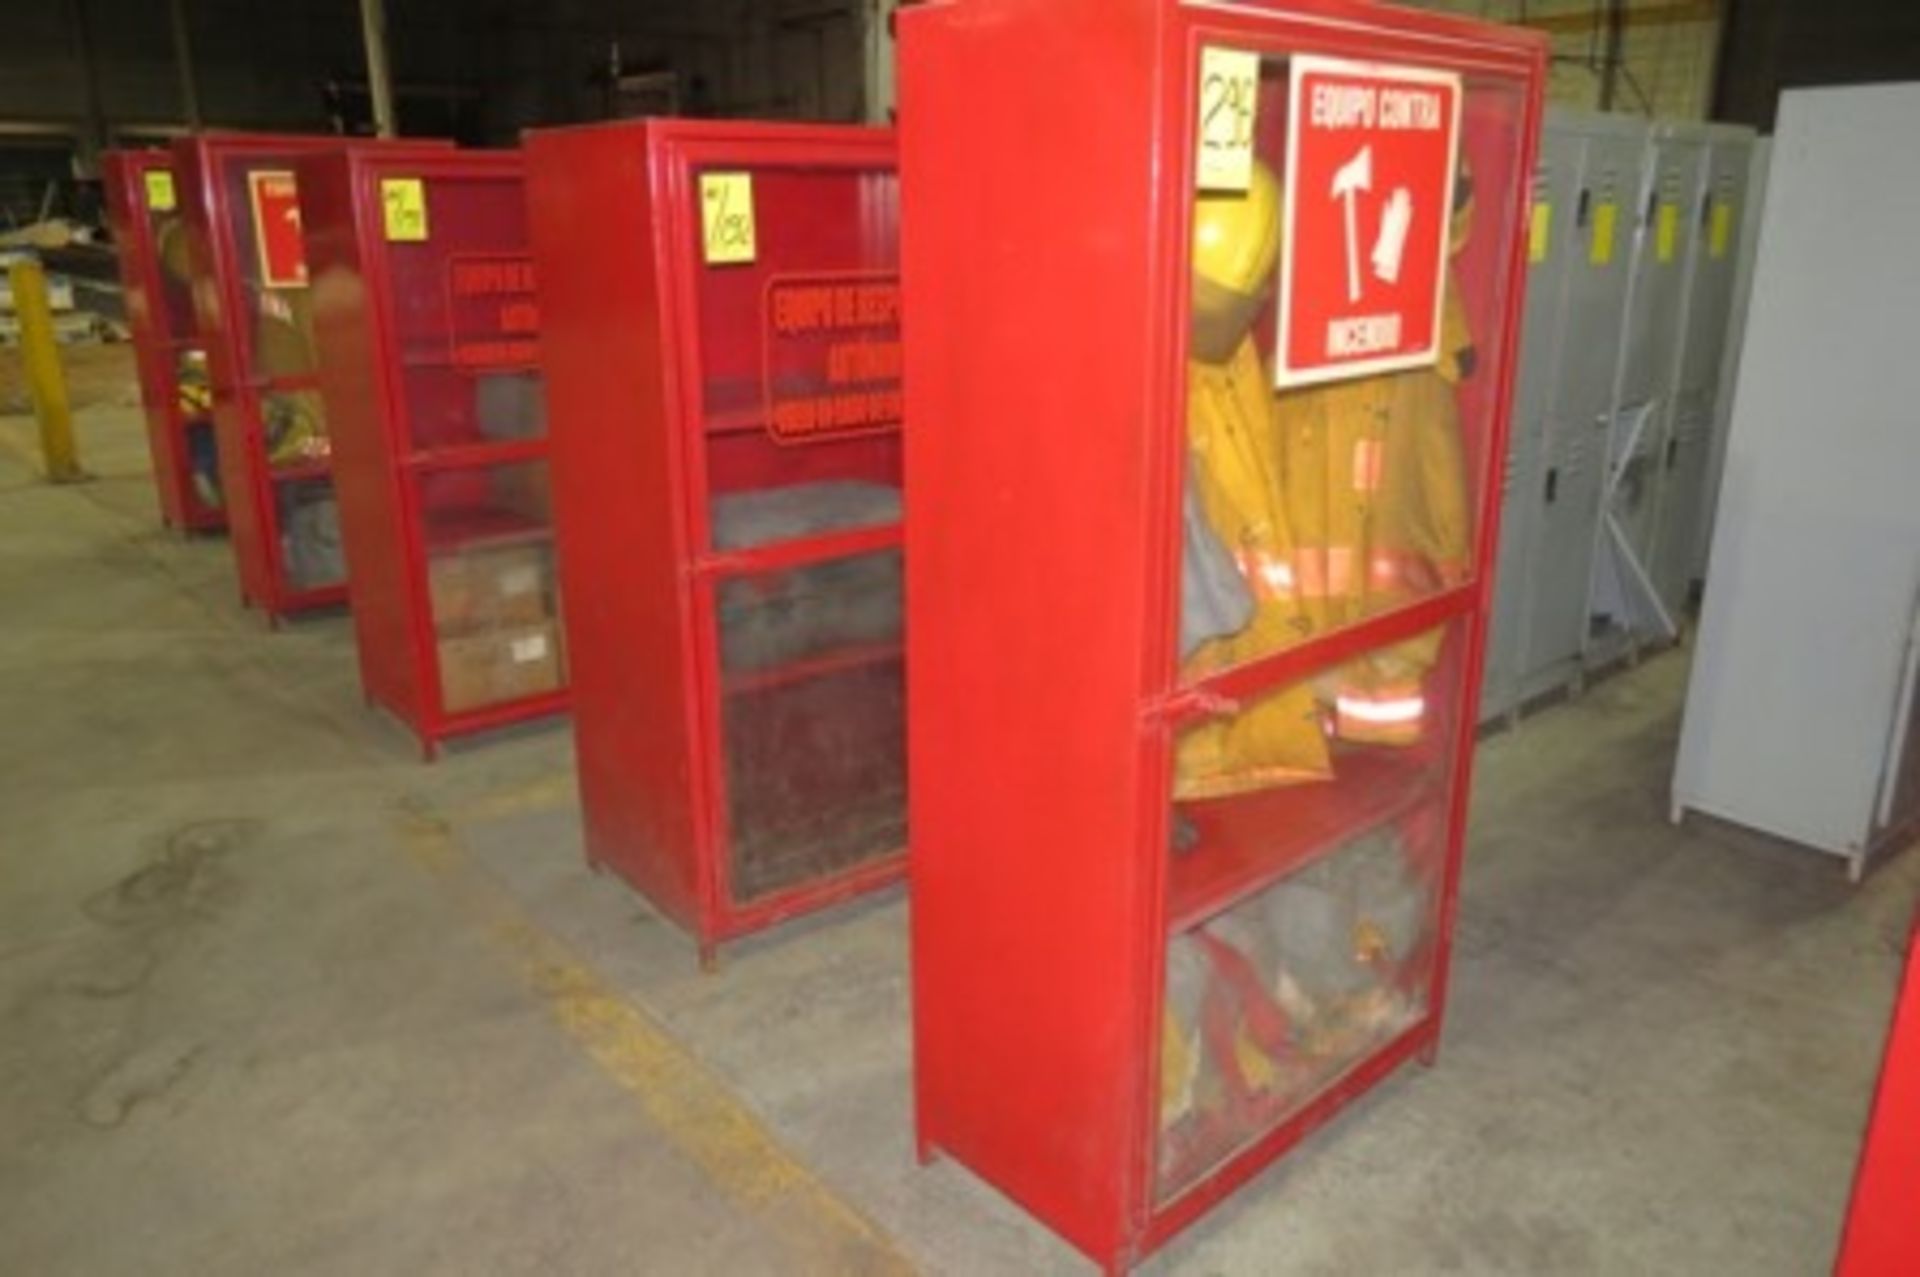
{"points": [[1341, 412], [797, 313]]}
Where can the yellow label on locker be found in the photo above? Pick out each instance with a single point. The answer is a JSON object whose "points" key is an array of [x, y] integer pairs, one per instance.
{"points": [[1720, 231], [1605, 219], [1540, 233], [726, 218], [160, 196], [1229, 90], [1666, 231], [403, 203]]}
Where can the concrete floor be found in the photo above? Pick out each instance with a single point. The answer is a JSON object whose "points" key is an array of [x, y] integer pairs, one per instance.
{"points": [[274, 996]]}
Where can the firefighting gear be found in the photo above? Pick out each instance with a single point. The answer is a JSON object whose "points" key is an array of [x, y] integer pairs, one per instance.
{"points": [[1236, 235], [293, 421], [1275, 997], [172, 248], [779, 617], [1214, 598], [1233, 471], [510, 405], [1236, 245], [310, 535], [203, 461], [193, 397], [1377, 494], [1277, 739]]}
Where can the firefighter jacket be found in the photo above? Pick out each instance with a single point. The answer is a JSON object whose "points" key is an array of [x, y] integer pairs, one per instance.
{"points": [[1376, 497], [1234, 464]]}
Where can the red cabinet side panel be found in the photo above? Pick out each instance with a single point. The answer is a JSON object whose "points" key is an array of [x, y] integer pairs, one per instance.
{"points": [[345, 324], [625, 601], [1882, 1236], [1031, 976]]}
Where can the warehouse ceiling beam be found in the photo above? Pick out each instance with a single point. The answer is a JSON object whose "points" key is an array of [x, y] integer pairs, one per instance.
{"points": [[373, 32], [183, 63]]}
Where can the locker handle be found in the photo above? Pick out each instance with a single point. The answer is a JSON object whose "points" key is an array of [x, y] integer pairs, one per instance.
{"points": [[1586, 200], [1673, 451], [1553, 484]]}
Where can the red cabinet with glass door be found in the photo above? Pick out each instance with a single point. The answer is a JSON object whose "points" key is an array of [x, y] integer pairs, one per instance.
{"points": [[427, 323], [150, 239], [720, 338], [1212, 315], [254, 310]]}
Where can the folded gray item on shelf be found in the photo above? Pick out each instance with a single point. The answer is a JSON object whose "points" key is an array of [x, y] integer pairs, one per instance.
{"points": [[742, 519], [510, 405], [1214, 598], [310, 535]]}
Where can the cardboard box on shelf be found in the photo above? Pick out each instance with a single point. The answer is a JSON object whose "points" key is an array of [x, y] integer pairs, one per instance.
{"points": [[500, 664], [489, 587]]}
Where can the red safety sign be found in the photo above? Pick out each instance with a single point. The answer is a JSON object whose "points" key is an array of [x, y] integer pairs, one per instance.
{"points": [[276, 228], [1370, 171], [832, 355]]}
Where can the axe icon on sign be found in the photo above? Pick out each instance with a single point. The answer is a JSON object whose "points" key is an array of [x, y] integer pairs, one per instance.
{"points": [[1353, 177]]}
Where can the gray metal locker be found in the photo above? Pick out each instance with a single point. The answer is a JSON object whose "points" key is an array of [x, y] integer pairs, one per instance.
{"points": [[1567, 488], [1627, 607], [1750, 194], [1710, 260], [1550, 246]]}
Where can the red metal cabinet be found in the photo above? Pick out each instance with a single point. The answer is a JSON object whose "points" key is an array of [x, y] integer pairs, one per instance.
{"points": [[1882, 1236], [426, 324], [720, 338], [150, 238], [1194, 658], [253, 308]]}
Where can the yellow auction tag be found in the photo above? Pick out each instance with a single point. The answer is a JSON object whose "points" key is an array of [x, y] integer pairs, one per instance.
{"points": [[403, 203], [1666, 231], [1540, 233], [726, 218], [160, 197], [1229, 92], [1720, 232], [1600, 248]]}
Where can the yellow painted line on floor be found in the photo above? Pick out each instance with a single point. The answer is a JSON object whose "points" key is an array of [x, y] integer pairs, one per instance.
{"points": [[544, 792], [690, 1107]]}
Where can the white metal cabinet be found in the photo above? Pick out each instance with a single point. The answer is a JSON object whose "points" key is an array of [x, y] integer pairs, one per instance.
{"points": [[1803, 694]]}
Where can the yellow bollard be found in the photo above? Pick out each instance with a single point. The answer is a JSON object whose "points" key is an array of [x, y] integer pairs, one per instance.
{"points": [[46, 382]]}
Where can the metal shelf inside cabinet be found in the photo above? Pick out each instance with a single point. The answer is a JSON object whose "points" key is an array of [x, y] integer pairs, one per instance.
{"points": [[775, 556], [477, 526], [446, 359], [1251, 841], [834, 661], [296, 471], [732, 406], [290, 384], [476, 453]]}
